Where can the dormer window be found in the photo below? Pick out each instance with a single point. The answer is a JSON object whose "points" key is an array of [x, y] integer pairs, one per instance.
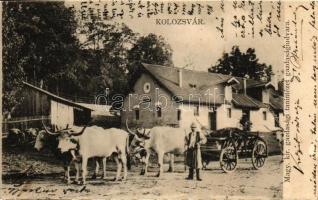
{"points": [[228, 93], [265, 96]]}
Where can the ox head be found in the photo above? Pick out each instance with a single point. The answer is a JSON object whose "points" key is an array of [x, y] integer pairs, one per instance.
{"points": [[68, 140], [31, 134], [45, 138], [15, 136], [67, 143], [279, 135], [40, 140], [64, 137], [139, 137]]}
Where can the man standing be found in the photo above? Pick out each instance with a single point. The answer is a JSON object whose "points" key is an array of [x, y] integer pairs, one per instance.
{"points": [[193, 153]]}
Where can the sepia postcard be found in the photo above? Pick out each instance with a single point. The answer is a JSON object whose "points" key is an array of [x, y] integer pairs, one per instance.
{"points": [[134, 99]]}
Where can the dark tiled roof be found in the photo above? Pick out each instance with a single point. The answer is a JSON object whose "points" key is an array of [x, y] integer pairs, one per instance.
{"points": [[168, 78], [250, 83], [244, 101], [55, 97], [194, 83], [276, 101]]}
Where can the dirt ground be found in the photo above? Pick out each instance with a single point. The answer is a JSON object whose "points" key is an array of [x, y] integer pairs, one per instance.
{"points": [[44, 180]]}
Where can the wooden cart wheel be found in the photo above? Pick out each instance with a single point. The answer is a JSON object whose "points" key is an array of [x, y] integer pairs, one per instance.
{"points": [[228, 158], [259, 154]]}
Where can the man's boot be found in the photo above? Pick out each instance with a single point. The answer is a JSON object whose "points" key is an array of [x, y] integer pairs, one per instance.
{"points": [[198, 175], [190, 177]]}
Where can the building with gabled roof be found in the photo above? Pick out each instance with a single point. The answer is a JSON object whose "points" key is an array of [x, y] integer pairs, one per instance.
{"points": [[39, 104], [176, 97]]}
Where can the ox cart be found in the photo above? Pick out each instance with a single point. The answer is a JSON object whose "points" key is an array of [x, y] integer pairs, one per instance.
{"points": [[230, 144]]}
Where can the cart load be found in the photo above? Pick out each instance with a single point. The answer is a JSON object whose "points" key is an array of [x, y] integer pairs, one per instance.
{"points": [[229, 144]]}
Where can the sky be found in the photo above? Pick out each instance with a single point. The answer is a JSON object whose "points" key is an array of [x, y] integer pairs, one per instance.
{"points": [[201, 45]]}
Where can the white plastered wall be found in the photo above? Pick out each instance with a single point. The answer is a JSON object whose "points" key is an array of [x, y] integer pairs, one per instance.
{"points": [[258, 121]]}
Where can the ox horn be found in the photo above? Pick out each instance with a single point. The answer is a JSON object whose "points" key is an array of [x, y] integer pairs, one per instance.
{"points": [[79, 133], [129, 131], [49, 132]]}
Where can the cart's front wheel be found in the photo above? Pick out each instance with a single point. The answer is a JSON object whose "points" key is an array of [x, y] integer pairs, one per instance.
{"points": [[259, 154], [228, 158]]}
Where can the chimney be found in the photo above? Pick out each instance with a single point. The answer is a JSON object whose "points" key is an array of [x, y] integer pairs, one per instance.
{"points": [[274, 81], [41, 84], [244, 85], [180, 77]]}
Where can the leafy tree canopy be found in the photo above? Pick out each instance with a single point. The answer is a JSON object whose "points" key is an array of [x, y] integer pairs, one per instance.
{"points": [[41, 42], [37, 46], [237, 63], [116, 53], [151, 49]]}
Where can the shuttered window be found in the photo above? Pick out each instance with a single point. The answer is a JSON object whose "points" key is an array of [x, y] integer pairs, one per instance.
{"points": [[196, 111], [229, 113], [264, 115], [158, 109], [137, 113], [276, 119], [179, 114]]}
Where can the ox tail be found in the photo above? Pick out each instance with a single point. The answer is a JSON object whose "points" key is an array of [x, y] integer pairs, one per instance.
{"points": [[128, 153]]}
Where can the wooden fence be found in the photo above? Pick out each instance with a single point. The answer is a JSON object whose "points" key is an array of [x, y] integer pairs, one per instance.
{"points": [[23, 123]]}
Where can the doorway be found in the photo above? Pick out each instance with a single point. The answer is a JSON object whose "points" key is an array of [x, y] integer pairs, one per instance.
{"points": [[245, 121], [212, 120]]}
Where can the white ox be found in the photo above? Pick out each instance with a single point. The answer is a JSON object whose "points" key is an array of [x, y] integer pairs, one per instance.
{"points": [[161, 140], [98, 142], [48, 139]]}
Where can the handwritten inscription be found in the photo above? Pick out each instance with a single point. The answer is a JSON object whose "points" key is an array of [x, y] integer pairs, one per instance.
{"points": [[243, 20], [298, 153], [312, 20], [300, 48], [19, 189]]}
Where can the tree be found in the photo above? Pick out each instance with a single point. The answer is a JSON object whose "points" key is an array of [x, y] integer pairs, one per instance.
{"points": [[116, 53], [12, 67], [150, 49], [241, 64], [39, 43], [106, 47]]}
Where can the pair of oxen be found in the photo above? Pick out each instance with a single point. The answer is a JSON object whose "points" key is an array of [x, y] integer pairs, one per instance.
{"points": [[81, 143]]}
